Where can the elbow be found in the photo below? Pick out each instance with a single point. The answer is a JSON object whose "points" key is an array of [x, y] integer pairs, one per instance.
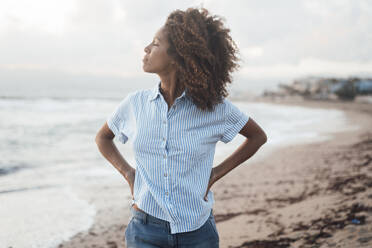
{"points": [[262, 138], [259, 139], [265, 137]]}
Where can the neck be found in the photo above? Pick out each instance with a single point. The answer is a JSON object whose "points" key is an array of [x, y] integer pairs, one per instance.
{"points": [[169, 87]]}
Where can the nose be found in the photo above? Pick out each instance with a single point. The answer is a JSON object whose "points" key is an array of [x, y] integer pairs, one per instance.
{"points": [[146, 49]]}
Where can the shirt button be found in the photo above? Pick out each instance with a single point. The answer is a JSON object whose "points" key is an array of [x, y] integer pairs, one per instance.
{"points": [[165, 156], [165, 174], [164, 139], [166, 193]]}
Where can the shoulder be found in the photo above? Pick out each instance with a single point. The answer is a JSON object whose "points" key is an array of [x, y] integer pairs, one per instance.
{"points": [[224, 106], [230, 109], [220, 108], [143, 94], [136, 96], [227, 102], [228, 105]]}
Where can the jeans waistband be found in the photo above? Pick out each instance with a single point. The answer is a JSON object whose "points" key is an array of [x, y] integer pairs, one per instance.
{"points": [[146, 218]]}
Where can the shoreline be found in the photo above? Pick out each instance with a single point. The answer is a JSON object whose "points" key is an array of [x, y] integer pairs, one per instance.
{"points": [[268, 202], [299, 196]]}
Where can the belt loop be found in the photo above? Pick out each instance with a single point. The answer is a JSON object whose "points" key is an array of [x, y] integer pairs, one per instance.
{"points": [[145, 215]]}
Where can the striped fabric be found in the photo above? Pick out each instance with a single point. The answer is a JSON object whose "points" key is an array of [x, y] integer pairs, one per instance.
{"points": [[174, 152]]}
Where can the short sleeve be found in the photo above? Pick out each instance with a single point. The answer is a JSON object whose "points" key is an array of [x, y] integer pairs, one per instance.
{"points": [[235, 119], [121, 120]]}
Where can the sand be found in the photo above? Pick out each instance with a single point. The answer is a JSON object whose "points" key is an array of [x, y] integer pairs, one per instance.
{"points": [[308, 195]]}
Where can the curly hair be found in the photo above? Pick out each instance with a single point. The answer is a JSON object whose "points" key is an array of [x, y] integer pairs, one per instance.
{"points": [[204, 53]]}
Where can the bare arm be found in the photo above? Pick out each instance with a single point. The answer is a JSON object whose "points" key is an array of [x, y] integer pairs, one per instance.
{"points": [[255, 138], [104, 141]]}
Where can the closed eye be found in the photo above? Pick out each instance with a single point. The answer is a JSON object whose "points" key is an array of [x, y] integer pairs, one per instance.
{"points": [[153, 42]]}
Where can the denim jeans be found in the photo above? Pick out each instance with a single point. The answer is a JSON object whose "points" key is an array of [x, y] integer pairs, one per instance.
{"points": [[146, 231]]}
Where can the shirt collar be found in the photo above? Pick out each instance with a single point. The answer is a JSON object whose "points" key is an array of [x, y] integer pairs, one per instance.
{"points": [[156, 91]]}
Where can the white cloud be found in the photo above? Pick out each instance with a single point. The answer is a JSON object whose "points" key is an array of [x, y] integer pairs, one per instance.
{"points": [[108, 36], [45, 16], [252, 52]]}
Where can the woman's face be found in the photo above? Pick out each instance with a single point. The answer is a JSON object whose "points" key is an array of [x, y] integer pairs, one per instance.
{"points": [[156, 59]]}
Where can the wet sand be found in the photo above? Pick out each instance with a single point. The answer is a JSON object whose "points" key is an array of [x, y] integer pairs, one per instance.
{"points": [[308, 195]]}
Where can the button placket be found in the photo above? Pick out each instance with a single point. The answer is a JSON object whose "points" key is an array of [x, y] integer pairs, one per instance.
{"points": [[165, 122], [166, 181]]}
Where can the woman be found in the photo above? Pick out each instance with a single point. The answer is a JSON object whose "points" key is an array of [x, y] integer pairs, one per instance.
{"points": [[175, 127]]}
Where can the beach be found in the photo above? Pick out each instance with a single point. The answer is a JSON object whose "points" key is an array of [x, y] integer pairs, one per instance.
{"points": [[301, 70], [314, 194]]}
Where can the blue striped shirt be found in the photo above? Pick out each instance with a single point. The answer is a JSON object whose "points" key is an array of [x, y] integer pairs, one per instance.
{"points": [[174, 152]]}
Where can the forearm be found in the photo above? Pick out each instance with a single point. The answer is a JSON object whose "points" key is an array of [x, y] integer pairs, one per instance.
{"points": [[244, 152], [112, 154]]}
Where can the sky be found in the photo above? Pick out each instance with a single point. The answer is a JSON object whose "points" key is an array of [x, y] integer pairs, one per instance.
{"points": [[54, 41]]}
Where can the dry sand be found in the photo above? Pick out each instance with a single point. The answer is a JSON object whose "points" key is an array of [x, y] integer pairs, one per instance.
{"points": [[311, 195]]}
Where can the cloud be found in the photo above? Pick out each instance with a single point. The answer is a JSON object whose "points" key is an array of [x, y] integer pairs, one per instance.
{"points": [[44, 16], [100, 37]]}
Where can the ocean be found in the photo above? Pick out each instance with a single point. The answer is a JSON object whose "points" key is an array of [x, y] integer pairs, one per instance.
{"points": [[48, 154]]}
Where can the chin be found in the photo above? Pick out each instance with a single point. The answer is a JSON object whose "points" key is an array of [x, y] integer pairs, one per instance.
{"points": [[147, 70]]}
